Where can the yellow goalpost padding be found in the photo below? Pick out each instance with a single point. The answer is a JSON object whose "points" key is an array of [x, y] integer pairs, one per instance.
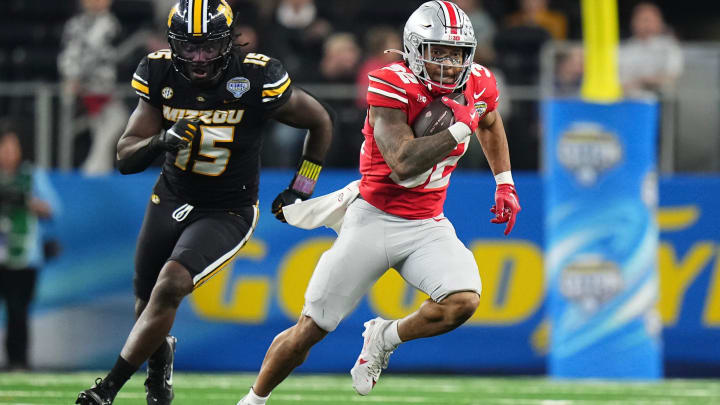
{"points": [[600, 39]]}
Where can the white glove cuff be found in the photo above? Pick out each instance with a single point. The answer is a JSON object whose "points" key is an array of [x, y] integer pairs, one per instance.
{"points": [[460, 131], [504, 178]]}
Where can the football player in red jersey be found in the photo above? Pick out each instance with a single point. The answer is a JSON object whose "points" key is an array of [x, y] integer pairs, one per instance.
{"points": [[397, 219]]}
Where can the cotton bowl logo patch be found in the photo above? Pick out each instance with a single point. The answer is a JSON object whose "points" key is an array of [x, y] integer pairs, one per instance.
{"points": [[587, 150], [590, 282], [238, 86], [480, 107]]}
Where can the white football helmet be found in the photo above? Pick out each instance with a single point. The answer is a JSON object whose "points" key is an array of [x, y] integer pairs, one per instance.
{"points": [[438, 23]]}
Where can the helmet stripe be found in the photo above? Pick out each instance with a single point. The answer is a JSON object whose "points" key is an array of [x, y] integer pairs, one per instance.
{"points": [[172, 13], [204, 17], [453, 16], [189, 13], [197, 17], [445, 13]]}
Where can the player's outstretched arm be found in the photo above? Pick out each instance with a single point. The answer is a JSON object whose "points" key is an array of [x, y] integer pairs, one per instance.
{"points": [[406, 155], [492, 137], [304, 111]]}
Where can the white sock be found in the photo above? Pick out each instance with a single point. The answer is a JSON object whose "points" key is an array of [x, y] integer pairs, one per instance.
{"points": [[391, 337], [254, 399]]}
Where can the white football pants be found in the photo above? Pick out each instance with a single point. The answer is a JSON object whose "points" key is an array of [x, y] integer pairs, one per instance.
{"points": [[426, 253]]}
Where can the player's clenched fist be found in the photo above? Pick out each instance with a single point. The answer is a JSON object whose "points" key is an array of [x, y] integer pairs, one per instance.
{"points": [[507, 206], [179, 136], [467, 114]]}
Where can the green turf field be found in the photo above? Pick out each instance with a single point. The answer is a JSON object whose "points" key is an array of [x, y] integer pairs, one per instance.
{"points": [[211, 389]]}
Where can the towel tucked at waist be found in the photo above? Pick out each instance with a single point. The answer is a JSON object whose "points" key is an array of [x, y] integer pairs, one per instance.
{"points": [[327, 210]]}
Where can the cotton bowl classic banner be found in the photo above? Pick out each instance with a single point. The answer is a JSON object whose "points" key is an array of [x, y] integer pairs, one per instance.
{"points": [[84, 306], [601, 239]]}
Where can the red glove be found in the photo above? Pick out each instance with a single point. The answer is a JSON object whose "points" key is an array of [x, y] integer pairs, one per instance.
{"points": [[467, 114], [507, 206]]}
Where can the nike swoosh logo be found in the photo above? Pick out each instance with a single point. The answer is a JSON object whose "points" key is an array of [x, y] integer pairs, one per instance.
{"points": [[477, 95], [362, 361], [169, 380], [438, 219]]}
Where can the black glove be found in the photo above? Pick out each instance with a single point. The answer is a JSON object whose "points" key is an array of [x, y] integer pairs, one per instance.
{"points": [[286, 197], [179, 136]]}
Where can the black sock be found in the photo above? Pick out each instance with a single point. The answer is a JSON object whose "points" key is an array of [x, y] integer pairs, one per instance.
{"points": [[120, 374], [157, 359]]}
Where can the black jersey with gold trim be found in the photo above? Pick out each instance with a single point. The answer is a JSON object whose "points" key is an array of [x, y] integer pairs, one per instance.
{"points": [[221, 167]]}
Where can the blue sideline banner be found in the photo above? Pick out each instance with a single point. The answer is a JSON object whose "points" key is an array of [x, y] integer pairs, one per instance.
{"points": [[601, 239], [84, 304]]}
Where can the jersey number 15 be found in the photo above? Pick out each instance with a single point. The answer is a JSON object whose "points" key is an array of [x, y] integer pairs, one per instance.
{"points": [[219, 156]]}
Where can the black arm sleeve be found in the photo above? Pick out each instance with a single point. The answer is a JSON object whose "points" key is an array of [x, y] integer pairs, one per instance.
{"points": [[141, 159]]}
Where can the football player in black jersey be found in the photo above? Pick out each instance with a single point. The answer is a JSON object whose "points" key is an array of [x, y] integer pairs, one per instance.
{"points": [[211, 100]]}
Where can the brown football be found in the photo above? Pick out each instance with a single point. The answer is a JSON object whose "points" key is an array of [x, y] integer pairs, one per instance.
{"points": [[436, 116]]}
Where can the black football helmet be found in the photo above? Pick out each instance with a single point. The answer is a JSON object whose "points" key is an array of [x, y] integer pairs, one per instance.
{"points": [[199, 34]]}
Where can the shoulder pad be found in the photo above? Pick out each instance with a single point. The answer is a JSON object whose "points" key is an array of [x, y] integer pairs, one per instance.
{"points": [[276, 82], [484, 79]]}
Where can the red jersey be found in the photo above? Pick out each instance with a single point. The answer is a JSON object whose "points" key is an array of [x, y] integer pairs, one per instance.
{"points": [[422, 196]]}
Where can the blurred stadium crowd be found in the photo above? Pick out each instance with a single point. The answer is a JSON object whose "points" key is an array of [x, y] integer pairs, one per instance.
{"points": [[327, 46]]}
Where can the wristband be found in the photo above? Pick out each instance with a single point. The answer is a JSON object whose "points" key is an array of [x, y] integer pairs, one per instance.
{"points": [[460, 131], [504, 178], [306, 177]]}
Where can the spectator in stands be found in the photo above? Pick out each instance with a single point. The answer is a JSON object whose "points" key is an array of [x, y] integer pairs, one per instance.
{"points": [[341, 55], [569, 72], [297, 37], [25, 196], [377, 41], [87, 65], [536, 12], [651, 59]]}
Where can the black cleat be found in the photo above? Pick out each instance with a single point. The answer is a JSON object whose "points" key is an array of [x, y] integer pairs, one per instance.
{"points": [[98, 394], [159, 382]]}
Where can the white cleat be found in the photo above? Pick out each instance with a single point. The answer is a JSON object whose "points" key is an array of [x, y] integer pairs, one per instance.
{"points": [[252, 399], [244, 401], [373, 358]]}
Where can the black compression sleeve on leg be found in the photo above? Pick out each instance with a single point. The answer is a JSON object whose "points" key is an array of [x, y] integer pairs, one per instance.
{"points": [[141, 159]]}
